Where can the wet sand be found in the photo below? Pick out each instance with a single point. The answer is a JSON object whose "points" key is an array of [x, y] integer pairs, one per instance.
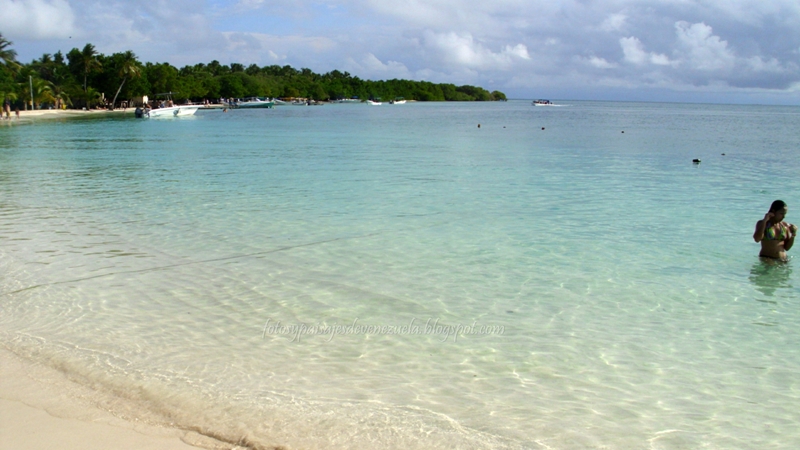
{"points": [[36, 413]]}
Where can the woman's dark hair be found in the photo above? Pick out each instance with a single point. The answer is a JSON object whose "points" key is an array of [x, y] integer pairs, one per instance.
{"points": [[777, 205]]}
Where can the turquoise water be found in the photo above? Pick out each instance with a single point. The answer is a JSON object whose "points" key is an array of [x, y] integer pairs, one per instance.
{"points": [[614, 288]]}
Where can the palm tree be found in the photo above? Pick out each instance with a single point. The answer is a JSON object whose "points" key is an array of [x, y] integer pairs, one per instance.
{"points": [[45, 66], [42, 92], [130, 68], [8, 57], [8, 66], [60, 86], [89, 63], [92, 96], [60, 96], [8, 95]]}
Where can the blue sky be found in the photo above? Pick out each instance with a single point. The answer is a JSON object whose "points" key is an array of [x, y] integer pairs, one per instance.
{"points": [[723, 51]]}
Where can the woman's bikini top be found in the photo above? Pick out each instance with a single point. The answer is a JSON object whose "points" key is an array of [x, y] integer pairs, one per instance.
{"points": [[769, 233]]}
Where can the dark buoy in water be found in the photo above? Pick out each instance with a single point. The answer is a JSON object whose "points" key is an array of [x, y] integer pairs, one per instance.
{"points": [[623, 131], [696, 161], [723, 154], [543, 128], [479, 125]]}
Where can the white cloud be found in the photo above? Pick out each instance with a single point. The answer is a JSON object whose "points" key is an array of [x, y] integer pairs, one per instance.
{"points": [[635, 53], [757, 64], [660, 60], [702, 49], [598, 62], [371, 65], [463, 50], [270, 49], [518, 50], [36, 19], [633, 50], [614, 22]]}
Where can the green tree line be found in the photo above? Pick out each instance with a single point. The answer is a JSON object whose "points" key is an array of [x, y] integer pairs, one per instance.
{"points": [[87, 78]]}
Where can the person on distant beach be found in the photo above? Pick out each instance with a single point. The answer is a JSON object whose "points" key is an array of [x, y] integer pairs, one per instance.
{"points": [[16, 111], [775, 235]]}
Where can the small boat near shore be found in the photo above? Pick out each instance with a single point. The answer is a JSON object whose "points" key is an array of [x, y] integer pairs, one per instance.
{"points": [[171, 111], [542, 102], [252, 103], [347, 100], [376, 102], [306, 103], [167, 108], [398, 101]]}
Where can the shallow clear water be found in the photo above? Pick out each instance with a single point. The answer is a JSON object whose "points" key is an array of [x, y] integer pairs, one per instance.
{"points": [[614, 288]]}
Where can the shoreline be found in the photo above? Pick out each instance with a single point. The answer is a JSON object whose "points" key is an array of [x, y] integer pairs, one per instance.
{"points": [[43, 114], [37, 414], [31, 116]]}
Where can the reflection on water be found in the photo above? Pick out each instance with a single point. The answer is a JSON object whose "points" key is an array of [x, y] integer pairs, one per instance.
{"points": [[768, 275]]}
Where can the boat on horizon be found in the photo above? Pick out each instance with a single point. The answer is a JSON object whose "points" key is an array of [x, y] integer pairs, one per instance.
{"points": [[398, 101], [542, 102], [374, 102]]}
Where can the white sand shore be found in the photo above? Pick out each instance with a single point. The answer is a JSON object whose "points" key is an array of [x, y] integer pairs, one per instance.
{"points": [[35, 413], [28, 116]]}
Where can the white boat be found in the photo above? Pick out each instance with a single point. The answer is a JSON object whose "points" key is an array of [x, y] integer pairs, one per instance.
{"points": [[374, 102], [167, 109], [172, 111], [253, 102], [256, 102], [543, 102], [398, 101]]}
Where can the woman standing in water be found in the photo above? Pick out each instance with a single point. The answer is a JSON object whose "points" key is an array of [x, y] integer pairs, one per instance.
{"points": [[775, 235]]}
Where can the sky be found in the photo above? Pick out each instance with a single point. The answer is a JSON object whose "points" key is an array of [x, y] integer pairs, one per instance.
{"points": [[717, 51]]}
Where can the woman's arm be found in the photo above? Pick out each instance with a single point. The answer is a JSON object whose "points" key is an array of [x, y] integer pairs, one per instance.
{"points": [[761, 226], [788, 243]]}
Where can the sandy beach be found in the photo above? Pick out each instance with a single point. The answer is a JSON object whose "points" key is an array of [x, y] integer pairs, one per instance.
{"points": [[27, 116], [35, 413]]}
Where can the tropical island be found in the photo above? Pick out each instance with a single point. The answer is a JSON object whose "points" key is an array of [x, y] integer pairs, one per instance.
{"points": [[85, 78]]}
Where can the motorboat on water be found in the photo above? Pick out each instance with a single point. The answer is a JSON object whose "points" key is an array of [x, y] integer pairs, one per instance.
{"points": [[171, 111], [397, 101], [252, 102], [543, 102], [167, 108], [374, 102]]}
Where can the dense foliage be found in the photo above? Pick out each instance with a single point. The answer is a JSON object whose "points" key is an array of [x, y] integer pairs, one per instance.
{"points": [[87, 78]]}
